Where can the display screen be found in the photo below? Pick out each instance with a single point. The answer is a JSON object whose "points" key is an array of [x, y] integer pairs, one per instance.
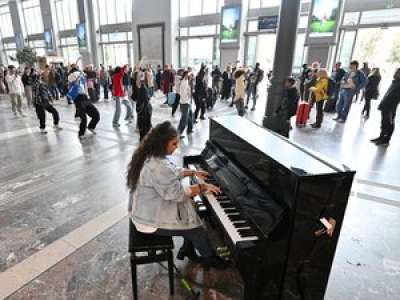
{"points": [[324, 18], [269, 23], [230, 25], [48, 40], [81, 35]]}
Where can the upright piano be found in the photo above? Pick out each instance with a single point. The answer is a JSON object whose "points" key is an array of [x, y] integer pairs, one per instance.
{"points": [[280, 211]]}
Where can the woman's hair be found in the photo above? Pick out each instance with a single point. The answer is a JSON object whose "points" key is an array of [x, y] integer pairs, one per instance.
{"points": [[153, 145], [323, 73]]}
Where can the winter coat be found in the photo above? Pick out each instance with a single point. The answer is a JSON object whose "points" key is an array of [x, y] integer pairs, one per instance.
{"points": [[372, 88], [392, 98], [320, 89]]}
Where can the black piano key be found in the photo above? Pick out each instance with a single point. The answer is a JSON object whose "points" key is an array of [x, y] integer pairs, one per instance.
{"points": [[227, 205], [246, 232], [241, 225], [235, 218]]}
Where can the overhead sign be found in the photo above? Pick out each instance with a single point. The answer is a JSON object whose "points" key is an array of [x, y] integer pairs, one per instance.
{"points": [[230, 25], [81, 35]]}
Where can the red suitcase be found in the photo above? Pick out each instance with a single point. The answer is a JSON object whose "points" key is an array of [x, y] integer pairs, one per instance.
{"points": [[303, 111]]}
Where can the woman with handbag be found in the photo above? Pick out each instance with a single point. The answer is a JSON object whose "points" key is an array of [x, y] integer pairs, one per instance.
{"points": [[320, 92]]}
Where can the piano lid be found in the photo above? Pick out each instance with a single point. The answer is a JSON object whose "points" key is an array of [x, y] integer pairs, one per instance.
{"points": [[289, 154]]}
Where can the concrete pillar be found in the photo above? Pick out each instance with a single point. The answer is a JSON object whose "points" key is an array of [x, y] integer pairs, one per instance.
{"points": [[158, 25], [230, 54], [284, 54], [86, 15], [17, 20], [48, 25]]}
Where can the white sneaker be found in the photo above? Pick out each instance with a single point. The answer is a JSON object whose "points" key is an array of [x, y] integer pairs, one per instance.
{"points": [[43, 131], [57, 127], [93, 131]]}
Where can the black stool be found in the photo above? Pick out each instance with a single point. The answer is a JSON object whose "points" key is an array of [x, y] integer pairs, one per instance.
{"points": [[150, 243]]}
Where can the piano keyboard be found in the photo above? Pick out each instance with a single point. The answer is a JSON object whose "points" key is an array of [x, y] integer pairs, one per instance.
{"points": [[238, 229]]}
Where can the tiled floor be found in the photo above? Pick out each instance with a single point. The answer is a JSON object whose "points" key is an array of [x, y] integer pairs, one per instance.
{"points": [[63, 225]]}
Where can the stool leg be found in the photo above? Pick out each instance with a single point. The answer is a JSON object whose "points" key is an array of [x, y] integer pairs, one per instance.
{"points": [[171, 272], [134, 277]]}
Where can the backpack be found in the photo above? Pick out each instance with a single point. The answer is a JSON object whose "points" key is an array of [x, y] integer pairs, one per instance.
{"points": [[331, 87]]}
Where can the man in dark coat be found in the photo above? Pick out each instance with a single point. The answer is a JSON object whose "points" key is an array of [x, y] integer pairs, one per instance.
{"points": [[388, 107]]}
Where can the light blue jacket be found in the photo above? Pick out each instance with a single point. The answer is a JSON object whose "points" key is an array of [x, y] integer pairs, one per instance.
{"points": [[160, 199]]}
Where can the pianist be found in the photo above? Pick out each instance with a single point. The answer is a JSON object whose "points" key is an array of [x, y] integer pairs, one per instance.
{"points": [[159, 203]]}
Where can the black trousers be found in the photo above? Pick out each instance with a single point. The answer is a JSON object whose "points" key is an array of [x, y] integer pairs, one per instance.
{"points": [[144, 121], [200, 107], [176, 103], [41, 114], [83, 109], [387, 125], [320, 112], [367, 106]]}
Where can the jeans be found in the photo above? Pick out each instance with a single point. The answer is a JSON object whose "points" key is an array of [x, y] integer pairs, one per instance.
{"points": [[117, 113], [16, 103], [150, 91], [197, 236], [239, 103], [105, 90], [186, 119], [28, 94], [41, 114], [344, 103], [54, 92], [83, 108], [176, 103], [252, 91]]}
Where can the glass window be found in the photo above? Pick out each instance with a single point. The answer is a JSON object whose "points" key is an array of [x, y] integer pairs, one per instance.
{"points": [[118, 37], [299, 51], [303, 22], [220, 4], [184, 53], [114, 11], [5, 22], [183, 31], [209, 7], [251, 50], [270, 3], [32, 16], [380, 16], [66, 14], [195, 8], [202, 30], [183, 8], [255, 4], [346, 47], [351, 18], [252, 26]]}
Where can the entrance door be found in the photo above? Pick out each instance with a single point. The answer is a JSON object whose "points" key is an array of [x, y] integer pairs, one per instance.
{"points": [[380, 47], [265, 52]]}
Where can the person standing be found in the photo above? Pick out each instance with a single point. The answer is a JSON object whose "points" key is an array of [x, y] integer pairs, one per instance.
{"points": [[104, 79], [178, 79], [337, 74], [200, 96], [160, 204], [352, 81], [320, 91], [27, 80], [52, 81], [78, 93], [185, 105], [118, 93], [150, 81], [216, 76], [91, 78], [143, 108], [15, 90], [227, 83], [304, 75], [159, 78], [41, 100], [240, 91], [366, 70], [371, 90], [255, 78], [388, 108]]}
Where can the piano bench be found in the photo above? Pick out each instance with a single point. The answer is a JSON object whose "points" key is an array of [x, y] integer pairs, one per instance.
{"points": [[155, 248]]}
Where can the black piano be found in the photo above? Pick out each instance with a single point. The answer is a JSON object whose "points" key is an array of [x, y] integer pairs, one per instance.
{"points": [[280, 212]]}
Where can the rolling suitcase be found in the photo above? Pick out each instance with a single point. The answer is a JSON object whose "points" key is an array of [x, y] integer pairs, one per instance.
{"points": [[303, 111]]}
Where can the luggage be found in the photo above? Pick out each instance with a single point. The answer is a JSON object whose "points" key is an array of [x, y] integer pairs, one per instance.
{"points": [[302, 114], [171, 96]]}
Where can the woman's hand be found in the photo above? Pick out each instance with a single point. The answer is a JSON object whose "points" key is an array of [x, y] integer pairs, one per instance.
{"points": [[212, 189], [201, 174]]}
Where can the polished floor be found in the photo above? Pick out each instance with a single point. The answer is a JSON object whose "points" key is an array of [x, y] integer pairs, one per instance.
{"points": [[63, 223]]}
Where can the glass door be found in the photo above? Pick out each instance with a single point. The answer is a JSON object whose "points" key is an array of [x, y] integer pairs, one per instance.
{"points": [[346, 45]]}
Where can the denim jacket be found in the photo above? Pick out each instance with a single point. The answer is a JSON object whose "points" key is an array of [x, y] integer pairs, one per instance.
{"points": [[160, 199]]}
